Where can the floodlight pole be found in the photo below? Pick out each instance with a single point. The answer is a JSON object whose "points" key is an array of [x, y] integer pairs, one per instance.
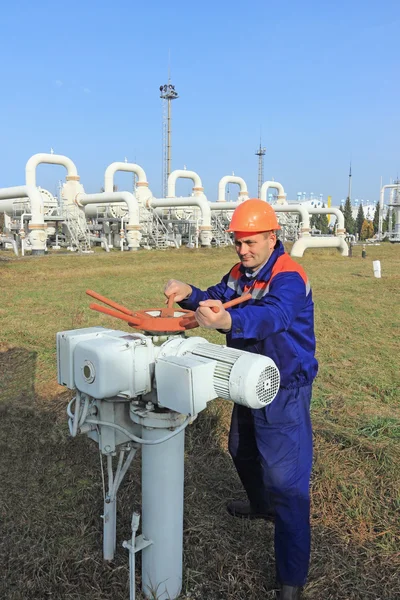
{"points": [[167, 93]]}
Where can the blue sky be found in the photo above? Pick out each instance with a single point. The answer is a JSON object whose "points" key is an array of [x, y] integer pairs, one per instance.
{"points": [[319, 79]]}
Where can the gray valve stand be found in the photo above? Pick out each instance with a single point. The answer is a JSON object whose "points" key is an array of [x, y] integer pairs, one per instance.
{"points": [[135, 390], [162, 509]]}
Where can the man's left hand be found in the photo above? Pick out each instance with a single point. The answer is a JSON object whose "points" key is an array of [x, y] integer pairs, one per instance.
{"points": [[213, 320]]}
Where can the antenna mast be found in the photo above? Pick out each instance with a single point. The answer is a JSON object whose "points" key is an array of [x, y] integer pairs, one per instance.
{"points": [[167, 94], [349, 194], [260, 153]]}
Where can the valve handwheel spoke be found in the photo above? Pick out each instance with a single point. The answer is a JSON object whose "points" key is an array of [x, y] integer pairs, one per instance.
{"points": [[164, 320]]}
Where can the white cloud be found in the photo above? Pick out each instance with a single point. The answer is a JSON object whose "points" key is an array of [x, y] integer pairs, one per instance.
{"points": [[58, 83], [86, 90]]}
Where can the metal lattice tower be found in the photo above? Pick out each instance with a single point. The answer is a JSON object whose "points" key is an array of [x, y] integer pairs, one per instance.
{"points": [[260, 153], [167, 94]]}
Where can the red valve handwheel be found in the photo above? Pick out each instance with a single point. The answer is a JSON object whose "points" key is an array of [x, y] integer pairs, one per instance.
{"points": [[156, 320]]}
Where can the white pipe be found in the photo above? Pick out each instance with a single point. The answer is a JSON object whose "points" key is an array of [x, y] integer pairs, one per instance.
{"points": [[92, 212], [331, 211], [381, 200], [299, 208], [181, 173], [102, 240], [200, 201], [9, 240], [274, 185], [133, 228], [37, 235], [50, 159], [303, 243], [7, 205], [223, 205], [22, 232], [123, 166], [243, 194], [122, 234], [303, 212]]}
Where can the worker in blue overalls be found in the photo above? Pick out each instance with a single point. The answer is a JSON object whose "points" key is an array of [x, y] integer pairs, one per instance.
{"points": [[271, 447]]}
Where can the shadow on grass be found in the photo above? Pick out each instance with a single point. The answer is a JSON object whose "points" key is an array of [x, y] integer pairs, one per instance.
{"points": [[50, 498], [51, 502]]}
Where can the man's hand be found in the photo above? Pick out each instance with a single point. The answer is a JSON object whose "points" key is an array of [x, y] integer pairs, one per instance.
{"points": [[211, 320], [181, 289]]}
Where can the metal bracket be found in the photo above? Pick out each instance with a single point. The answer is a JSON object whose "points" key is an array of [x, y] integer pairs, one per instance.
{"points": [[140, 543]]}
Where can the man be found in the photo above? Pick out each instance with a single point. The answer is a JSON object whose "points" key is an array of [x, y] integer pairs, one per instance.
{"points": [[271, 447]]}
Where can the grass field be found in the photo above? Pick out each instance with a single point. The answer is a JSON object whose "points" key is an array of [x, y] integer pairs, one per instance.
{"points": [[50, 484]]}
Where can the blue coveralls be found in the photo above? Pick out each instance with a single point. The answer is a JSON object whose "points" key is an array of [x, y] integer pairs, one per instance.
{"points": [[272, 447]]}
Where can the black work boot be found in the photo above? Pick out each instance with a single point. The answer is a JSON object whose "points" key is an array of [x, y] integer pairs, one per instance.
{"points": [[288, 592], [243, 510]]}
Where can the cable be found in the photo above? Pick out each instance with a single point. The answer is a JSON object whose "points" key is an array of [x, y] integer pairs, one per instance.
{"points": [[75, 420], [102, 475], [84, 410], [139, 440]]}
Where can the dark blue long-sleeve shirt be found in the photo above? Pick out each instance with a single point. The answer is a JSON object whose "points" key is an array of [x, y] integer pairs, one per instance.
{"points": [[279, 319]]}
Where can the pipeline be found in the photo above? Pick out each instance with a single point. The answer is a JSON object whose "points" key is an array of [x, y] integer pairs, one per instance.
{"points": [[200, 201], [123, 166], [51, 159], [37, 226], [274, 185], [133, 228], [243, 193], [182, 174]]}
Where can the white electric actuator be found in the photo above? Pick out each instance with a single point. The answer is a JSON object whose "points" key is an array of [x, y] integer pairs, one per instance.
{"points": [[104, 363], [186, 373], [132, 392]]}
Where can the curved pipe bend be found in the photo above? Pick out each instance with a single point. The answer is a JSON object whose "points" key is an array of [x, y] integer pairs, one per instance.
{"points": [[50, 159], [331, 211], [200, 201], [37, 235], [231, 179], [182, 174], [303, 243], [381, 203], [106, 198], [299, 208], [274, 185], [123, 166], [133, 226], [9, 240], [287, 208]]}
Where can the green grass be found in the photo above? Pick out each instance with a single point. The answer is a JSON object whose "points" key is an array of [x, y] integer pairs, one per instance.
{"points": [[381, 427], [51, 498]]}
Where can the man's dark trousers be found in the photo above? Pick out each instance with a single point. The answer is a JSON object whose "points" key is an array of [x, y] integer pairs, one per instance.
{"points": [[272, 450]]}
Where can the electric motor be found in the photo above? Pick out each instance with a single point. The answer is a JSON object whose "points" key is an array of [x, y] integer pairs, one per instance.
{"points": [[182, 375], [249, 379]]}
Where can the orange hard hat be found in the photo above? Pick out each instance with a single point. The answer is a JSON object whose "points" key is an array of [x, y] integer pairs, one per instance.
{"points": [[254, 216]]}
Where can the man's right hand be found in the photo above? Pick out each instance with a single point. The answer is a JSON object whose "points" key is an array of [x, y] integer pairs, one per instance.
{"points": [[181, 289]]}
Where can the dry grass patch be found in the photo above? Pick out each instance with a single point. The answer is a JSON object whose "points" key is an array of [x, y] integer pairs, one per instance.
{"points": [[51, 496]]}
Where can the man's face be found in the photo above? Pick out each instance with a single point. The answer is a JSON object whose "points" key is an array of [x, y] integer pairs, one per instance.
{"points": [[254, 250]]}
